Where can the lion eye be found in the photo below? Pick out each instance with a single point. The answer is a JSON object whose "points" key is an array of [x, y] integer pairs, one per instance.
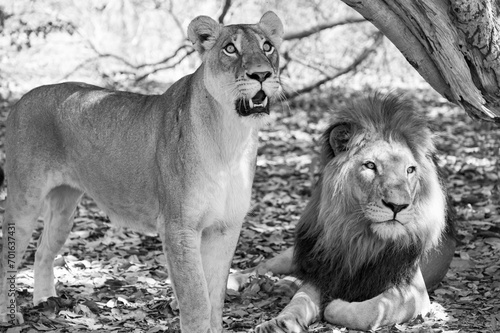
{"points": [[267, 47], [370, 165], [411, 169], [230, 48]]}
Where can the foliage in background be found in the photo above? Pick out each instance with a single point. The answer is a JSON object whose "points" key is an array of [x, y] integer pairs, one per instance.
{"points": [[120, 43]]}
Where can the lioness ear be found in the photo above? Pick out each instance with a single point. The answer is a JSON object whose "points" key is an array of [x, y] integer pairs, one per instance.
{"points": [[339, 137], [271, 23], [203, 31]]}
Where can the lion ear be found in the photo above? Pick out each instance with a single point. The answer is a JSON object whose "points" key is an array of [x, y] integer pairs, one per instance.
{"points": [[271, 24], [339, 137], [203, 32]]}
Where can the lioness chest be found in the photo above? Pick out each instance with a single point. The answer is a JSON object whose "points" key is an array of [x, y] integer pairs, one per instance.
{"points": [[222, 189]]}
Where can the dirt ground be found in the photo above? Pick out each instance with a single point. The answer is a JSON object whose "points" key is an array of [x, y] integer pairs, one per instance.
{"points": [[114, 280]]}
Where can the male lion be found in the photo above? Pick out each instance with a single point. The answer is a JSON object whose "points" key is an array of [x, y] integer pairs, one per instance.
{"points": [[378, 208], [181, 163]]}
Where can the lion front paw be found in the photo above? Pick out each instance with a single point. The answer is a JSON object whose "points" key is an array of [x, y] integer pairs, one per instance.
{"points": [[281, 324], [13, 318]]}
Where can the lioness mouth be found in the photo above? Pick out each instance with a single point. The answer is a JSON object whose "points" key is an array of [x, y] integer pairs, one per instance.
{"points": [[257, 104]]}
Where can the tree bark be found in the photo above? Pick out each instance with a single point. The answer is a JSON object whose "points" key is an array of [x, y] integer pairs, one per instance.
{"points": [[377, 40], [320, 27], [453, 44]]}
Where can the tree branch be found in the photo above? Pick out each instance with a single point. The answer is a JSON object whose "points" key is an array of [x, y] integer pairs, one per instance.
{"points": [[224, 9], [81, 65], [320, 27], [185, 47], [308, 65], [178, 23], [378, 37], [108, 55], [160, 68], [424, 31], [157, 64]]}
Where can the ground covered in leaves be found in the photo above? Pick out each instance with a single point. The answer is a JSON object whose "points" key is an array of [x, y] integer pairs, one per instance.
{"points": [[114, 280]]}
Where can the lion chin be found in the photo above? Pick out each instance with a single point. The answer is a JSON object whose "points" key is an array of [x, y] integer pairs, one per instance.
{"points": [[390, 229], [396, 228]]}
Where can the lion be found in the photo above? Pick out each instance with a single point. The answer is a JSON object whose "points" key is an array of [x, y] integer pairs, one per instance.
{"points": [[181, 163], [379, 207]]}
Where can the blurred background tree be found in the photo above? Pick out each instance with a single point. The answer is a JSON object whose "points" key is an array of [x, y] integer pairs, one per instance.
{"points": [[141, 44]]}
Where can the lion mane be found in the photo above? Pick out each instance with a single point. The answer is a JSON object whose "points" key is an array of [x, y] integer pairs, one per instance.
{"points": [[335, 249]]}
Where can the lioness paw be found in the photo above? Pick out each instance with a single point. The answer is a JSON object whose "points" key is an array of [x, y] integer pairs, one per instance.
{"points": [[281, 324]]}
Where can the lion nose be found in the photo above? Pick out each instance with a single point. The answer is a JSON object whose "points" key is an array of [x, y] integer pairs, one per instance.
{"points": [[394, 207], [259, 76]]}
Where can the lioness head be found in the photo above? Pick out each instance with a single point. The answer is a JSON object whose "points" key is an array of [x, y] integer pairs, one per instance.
{"points": [[382, 169], [241, 61]]}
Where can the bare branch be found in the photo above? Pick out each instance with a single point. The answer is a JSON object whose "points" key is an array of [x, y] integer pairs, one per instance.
{"points": [[107, 55], [81, 65], [178, 23], [308, 65], [320, 27], [378, 37], [185, 47], [160, 68], [224, 9]]}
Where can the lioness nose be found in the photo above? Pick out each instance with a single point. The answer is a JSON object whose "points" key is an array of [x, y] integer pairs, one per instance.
{"points": [[259, 76], [394, 207]]}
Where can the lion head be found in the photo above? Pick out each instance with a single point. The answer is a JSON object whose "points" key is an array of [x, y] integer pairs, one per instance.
{"points": [[241, 62], [379, 203]]}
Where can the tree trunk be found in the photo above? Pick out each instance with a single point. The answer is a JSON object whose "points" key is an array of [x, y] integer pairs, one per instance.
{"points": [[453, 44]]}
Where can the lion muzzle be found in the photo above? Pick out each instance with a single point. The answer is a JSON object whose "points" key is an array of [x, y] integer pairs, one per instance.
{"points": [[396, 208]]}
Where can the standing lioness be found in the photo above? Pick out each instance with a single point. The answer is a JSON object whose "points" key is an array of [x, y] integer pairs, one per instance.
{"points": [[181, 163]]}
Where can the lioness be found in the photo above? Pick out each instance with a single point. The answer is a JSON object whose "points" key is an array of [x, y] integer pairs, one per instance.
{"points": [[378, 209], [181, 163]]}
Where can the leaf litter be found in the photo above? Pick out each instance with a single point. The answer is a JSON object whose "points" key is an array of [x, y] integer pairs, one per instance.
{"points": [[115, 280]]}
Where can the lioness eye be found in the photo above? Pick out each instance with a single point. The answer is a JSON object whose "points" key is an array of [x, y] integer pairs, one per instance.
{"points": [[411, 169], [230, 48], [267, 47], [370, 165]]}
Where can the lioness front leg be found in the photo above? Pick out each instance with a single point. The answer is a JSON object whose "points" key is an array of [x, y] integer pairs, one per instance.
{"points": [[396, 305], [303, 310], [185, 269], [217, 250]]}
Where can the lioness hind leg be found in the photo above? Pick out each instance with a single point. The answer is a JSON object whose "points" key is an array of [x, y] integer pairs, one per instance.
{"points": [[19, 221], [303, 310], [61, 203]]}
